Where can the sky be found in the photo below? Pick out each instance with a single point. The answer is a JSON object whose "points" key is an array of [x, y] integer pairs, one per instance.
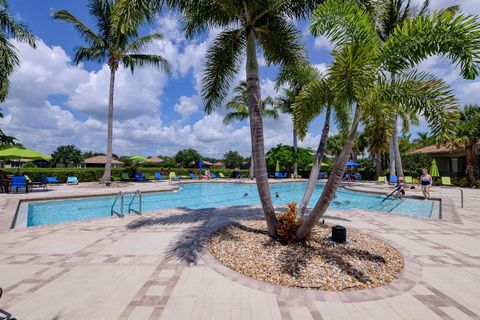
{"points": [[54, 102]]}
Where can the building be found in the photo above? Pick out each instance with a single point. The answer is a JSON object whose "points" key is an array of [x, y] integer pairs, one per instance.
{"points": [[451, 161], [99, 162]]}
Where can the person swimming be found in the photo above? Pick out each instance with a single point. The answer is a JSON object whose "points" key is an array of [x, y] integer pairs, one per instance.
{"points": [[245, 195], [277, 195]]}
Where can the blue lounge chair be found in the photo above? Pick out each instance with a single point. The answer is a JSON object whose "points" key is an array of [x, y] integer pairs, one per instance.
{"points": [[238, 175], [18, 182], [322, 175], [278, 175], [52, 180], [158, 176], [285, 175], [139, 177], [72, 180], [357, 176], [193, 176], [213, 175], [393, 179]]}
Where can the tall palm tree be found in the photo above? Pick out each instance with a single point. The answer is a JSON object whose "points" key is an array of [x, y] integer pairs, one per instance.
{"points": [[468, 136], [355, 74], [248, 27], [10, 29], [238, 110], [114, 45]]}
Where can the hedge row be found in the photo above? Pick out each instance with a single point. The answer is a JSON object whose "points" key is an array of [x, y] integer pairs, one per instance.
{"points": [[95, 174]]}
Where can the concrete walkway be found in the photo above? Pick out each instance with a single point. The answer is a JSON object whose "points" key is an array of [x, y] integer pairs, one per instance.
{"points": [[155, 267]]}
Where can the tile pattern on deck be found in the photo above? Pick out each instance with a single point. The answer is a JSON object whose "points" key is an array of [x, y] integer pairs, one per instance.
{"points": [[155, 267]]}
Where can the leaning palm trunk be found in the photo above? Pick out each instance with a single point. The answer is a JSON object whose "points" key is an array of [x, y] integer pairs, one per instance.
{"points": [[295, 153], [250, 174], [108, 165], [316, 164], [256, 131], [470, 164], [333, 182], [378, 162]]}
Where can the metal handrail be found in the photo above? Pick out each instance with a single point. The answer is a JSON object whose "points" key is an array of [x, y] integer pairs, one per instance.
{"points": [[112, 209], [139, 211]]}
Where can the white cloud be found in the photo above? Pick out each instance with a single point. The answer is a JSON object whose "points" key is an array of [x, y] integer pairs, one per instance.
{"points": [[323, 43], [187, 106]]}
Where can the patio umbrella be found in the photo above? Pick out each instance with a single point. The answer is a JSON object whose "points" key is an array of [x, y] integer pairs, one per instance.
{"points": [[323, 164], [137, 158], [200, 165], [17, 153], [352, 164], [277, 167], [434, 169]]}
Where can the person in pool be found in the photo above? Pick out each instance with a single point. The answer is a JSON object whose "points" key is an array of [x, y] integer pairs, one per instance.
{"points": [[400, 188], [426, 182]]}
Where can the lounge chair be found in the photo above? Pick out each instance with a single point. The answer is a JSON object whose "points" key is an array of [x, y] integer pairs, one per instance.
{"points": [[447, 181], [193, 176], [158, 176], [221, 175], [18, 182], [278, 175], [139, 177], [52, 180], [238, 175], [213, 175], [285, 175], [357, 176], [172, 176], [408, 180], [393, 179], [322, 175], [125, 177], [72, 180], [382, 179]]}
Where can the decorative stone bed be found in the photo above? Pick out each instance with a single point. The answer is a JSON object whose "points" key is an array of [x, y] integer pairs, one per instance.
{"points": [[363, 262]]}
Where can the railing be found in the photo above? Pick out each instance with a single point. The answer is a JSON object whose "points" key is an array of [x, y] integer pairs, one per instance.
{"points": [[121, 195]]}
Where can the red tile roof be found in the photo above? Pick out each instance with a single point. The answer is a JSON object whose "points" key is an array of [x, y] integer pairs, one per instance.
{"points": [[100, 160]]}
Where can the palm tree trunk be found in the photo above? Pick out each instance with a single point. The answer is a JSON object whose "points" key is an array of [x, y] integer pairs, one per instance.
{"points": [[398, 156], [295, 152], [108, 165], [333, 181], [378, 162], [391, 157], [256, 130], [316, 164], [470, 164]]}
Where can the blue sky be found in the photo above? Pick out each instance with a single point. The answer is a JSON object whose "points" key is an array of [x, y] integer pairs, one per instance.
{"points": [[54, 102]]}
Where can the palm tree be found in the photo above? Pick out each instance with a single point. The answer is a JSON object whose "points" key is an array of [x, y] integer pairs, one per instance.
{"points": [[248, 27], [356, 79], [468, 135], [10, 28], [239, 110], [433, 35], [114, 46]]}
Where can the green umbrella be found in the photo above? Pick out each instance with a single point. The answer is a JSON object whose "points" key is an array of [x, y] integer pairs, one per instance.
{"points": [[277, 167], [323, 164], [17, 153], [434, 169], [137, 158]]}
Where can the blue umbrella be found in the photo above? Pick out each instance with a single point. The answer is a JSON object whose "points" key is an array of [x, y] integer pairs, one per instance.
{"points": [[352, 164], [200, 165]]}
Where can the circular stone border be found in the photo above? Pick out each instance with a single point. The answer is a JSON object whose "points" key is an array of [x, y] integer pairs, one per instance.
{"points": [[408, 278]]}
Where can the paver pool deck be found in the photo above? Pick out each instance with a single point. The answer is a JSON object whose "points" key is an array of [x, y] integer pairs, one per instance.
{"points": [[155, 266]]}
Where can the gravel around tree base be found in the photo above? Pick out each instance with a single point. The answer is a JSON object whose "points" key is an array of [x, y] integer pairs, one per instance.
{"points": [[363, 262]]}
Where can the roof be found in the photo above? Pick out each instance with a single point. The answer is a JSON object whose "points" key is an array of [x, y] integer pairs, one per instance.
{"points": [[434, 149], [100, 160], [153, 160], [218, 164]]}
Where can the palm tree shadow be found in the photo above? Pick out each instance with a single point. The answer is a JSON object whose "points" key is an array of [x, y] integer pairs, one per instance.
{"points": [[193, 240]]}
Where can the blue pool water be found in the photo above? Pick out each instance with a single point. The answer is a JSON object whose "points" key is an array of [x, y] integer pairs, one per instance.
{"points": [[208, 195]]}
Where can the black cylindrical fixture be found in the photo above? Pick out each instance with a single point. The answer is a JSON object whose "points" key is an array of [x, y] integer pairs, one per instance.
{"points": [[339, 234]]}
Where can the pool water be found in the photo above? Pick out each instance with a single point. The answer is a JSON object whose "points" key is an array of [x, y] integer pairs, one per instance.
{"points": [[209, 195]]}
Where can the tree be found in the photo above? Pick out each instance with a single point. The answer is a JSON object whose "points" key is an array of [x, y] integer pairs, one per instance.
{"points": [[356, 79], [67, 154], [115, 45], [232, 159], [10, 29], [287, 158], [248, 27], [444, 33], [238, 110], [187, 157], [468, 135]]}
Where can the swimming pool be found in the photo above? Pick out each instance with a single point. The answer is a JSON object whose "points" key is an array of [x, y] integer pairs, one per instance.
{"points": [[208, 195]]}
